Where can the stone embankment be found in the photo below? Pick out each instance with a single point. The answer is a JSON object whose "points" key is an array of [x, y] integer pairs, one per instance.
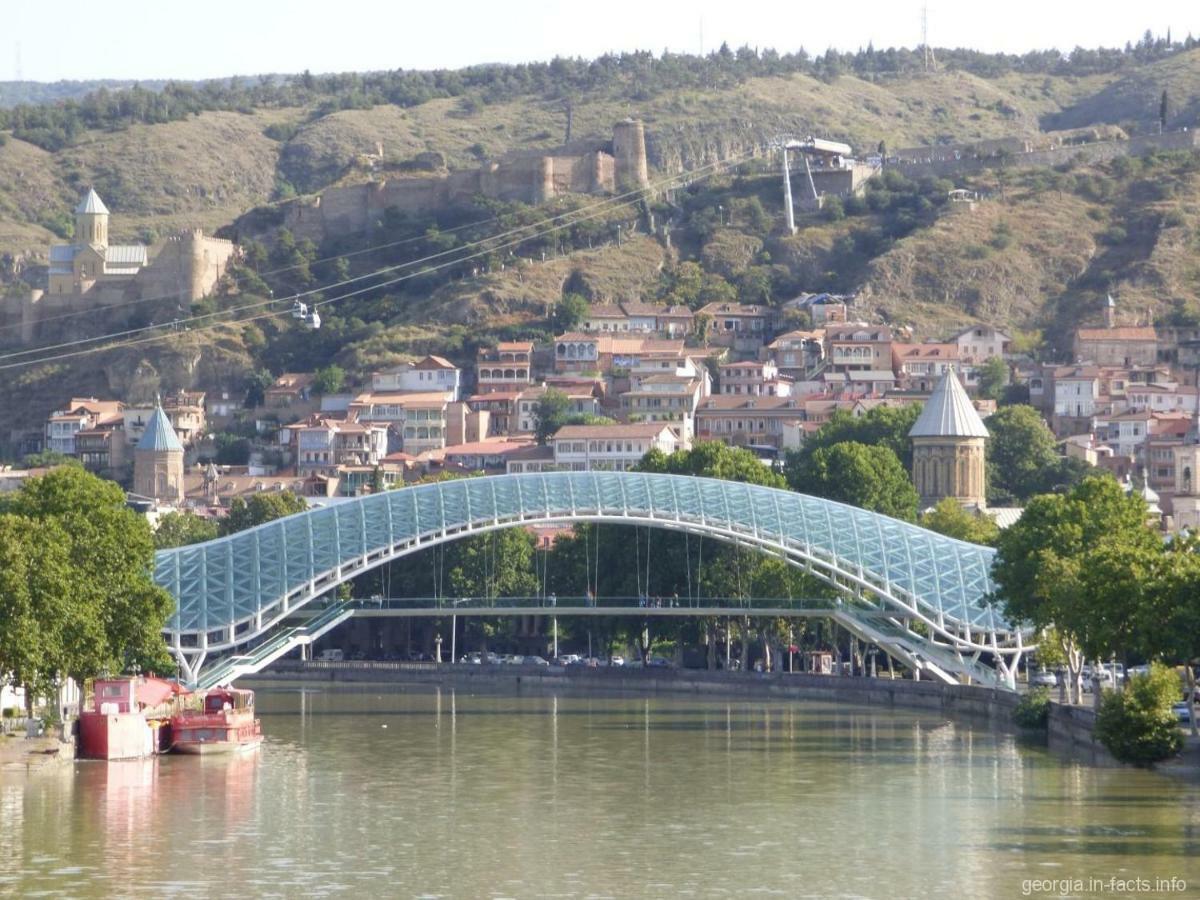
{"points": [[1070, 727]]}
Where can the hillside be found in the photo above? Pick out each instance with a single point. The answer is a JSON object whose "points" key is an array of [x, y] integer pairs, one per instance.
{"points": [[1037, 254]]}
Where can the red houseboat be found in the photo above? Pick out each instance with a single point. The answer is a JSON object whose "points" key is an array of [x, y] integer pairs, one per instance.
{"points": [[224, 723], [129, 717]]}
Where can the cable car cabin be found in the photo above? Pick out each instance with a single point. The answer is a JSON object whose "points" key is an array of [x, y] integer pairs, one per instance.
{"points": [[299, 310], [313, 320]]}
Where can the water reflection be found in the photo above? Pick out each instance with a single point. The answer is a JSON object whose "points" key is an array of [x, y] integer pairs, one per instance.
{"points": [[441, 793]]}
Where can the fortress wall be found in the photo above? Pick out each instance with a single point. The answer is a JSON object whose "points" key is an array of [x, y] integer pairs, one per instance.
{"points": [[1101, 151]]}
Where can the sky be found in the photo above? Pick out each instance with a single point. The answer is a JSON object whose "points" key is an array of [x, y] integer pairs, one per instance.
{"points": [[129, 39]]}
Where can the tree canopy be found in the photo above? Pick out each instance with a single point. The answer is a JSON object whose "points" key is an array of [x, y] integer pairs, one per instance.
{"points": [[951, 519], [885, 426], [1082, 563], [1023, 457], [713, 459], [97, 607], [176, 529], [867, 476], [550, 414], [260, 508]]}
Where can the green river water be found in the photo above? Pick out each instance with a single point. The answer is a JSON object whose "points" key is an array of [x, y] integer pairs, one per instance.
{"points": [[394, 792]]}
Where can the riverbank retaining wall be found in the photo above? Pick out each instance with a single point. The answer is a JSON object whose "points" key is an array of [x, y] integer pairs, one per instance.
{"points": [[1070, 727]]}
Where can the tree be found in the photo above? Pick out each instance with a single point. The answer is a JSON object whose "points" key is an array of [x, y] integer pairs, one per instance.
{"points": [[115, 610], [257, 383], [1023, 457], [35, 607], [951, 519], [550, 414], [568, 313], [1163, 110], [260, 508], [1169, 625], [713, 459], [1138, 725], [867, 476], [886, 426], [1082, 563], [48, 459], [329, 379], [177, 529], [993, 376]]}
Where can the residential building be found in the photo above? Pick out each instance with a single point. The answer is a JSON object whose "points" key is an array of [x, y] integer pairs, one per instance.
{"points": [[433, 373], [506, 367], [325, 445], [578, 352], [675, 321], [289, 389], [81, 414], [642, 317], [672, 399], [858, 347], [753, 378], [739, 326], [420, 420], [979, 343], [185, 409], [485, 456], [1185, 504], [746, 421], [949, 441], [589, 448], [603, 317], [796, 353], [580, 402], [921, 366], [500, 407]]}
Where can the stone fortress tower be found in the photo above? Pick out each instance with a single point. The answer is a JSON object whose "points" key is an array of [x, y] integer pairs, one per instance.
{"points": [[629, 155], [948, 448], [158, 461]]}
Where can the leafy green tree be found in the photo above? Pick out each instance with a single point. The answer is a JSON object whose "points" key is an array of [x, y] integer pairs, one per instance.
{"points": [[867, 476], [951, 519], [1080, 563], [116, 611], [36, 612], [1137, 725], [1169, 624], [550, 414], [257, 383], [568, 313], [885, 426], [1023, 458], [993, 377], [260, 508], [49, 458], [177, 529], [329, 379], [713, 459]]}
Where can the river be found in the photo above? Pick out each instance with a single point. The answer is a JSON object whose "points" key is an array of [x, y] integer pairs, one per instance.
{"points": [[388, 792]]}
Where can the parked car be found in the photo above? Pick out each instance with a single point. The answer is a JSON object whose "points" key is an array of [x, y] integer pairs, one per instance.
{"points": [[1105, 677], [1044, 678], [535, 661], [659, 662], [331, 655], [617, 661], [1182, 712]]}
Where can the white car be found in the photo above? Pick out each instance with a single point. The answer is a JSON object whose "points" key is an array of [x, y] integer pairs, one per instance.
{"points": [[1044, 678], [617, 661]]}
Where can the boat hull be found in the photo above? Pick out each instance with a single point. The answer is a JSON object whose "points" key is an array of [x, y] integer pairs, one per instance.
{"points": [[205, 748]]}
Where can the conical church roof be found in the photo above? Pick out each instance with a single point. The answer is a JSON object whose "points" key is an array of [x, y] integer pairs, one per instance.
{"points": [[91, 204], [949, 412], [159, 434]]}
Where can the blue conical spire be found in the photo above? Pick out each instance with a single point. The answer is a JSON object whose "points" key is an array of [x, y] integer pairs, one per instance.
{"points": [[159, 434]]}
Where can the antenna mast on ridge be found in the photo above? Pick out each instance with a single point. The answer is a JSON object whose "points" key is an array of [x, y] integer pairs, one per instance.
{"points": [[930, 62]]}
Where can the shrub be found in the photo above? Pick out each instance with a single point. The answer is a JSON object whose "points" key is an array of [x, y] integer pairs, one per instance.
{"points": [[1138, 725], [1034, 709], [1115, 235]]}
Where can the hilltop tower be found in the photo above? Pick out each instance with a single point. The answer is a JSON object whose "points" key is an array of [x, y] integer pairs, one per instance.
{"points": [[91, 221], [158, 461], [948, 447], [629, 154]]}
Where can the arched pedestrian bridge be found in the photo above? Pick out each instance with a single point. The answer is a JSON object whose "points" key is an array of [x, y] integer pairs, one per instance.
{"points": [[918, 594]]}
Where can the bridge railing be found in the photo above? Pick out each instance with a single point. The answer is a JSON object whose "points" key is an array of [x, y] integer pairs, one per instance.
{"points": [[550, 605]]}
